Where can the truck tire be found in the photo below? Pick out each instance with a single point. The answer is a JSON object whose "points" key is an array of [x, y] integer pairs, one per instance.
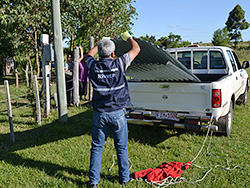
{"points": [[225, 123], [243, 98], [244, 101]]}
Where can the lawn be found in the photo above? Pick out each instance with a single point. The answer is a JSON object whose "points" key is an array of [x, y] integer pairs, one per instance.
{"points": [[57, 155]]}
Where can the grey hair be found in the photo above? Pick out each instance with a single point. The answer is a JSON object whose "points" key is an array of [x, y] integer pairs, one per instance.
{"points": [[105, 47]]}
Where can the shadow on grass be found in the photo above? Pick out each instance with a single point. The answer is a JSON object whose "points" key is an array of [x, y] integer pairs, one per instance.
{"points": [[49, 168], [77, 125], [151, 135]]}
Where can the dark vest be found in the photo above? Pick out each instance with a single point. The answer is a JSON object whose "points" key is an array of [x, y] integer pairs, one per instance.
{"points": [[110, 87]]}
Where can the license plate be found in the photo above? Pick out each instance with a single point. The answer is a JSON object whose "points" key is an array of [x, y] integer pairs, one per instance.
{"points": [[167, 115]]}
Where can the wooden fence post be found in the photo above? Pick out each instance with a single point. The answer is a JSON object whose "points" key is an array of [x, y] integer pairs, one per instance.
{"points": [[56, 101], [76, 100], [8, 100], [38, 109], [46, 56], [91, 45]]}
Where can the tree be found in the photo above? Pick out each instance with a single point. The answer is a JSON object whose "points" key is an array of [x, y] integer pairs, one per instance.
{"points": [[22, 22], [220, 37], [36, 19], [236, 22], [172, 41], [96, 18], [8, 26], [149, 38], [162, 42]]}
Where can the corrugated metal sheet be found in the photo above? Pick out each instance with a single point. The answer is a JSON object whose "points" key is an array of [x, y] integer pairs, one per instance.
{"points": [[154, 64]]}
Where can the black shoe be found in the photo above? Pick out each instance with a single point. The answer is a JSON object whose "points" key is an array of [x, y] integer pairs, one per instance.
{"points": [[93, 186]]}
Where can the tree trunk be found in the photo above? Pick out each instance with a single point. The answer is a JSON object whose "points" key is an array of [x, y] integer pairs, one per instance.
{"points": [[72, 43], [4, 65], [16, 72], [37, 54], [31, 68], [15, 68], [27, 68]]}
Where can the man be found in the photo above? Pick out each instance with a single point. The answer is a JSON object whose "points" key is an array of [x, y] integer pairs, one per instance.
{"points": [[110, 98], [69, 78]]}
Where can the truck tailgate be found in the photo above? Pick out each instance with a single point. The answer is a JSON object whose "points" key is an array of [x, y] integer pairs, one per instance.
{"points": [[171, 96]]}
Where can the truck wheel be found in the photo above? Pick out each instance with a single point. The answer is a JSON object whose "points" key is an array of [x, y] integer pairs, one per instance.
{"points": [[225, 123], [243, 98]]}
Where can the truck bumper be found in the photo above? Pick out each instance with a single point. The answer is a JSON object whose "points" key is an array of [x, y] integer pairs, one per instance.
{"points": [[171, 124], [184, 121]]}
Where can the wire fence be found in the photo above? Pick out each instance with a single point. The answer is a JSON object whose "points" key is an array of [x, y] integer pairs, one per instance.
{"points": [[2, 101], [21, 96], [70, 89], [16, 97], [24, 106], [69, 80], [12, 97]]}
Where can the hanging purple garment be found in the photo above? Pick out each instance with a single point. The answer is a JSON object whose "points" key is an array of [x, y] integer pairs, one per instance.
{"points": [[83, 72]]}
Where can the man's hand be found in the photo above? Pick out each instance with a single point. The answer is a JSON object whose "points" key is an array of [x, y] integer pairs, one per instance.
{"points": [[125, 36]]}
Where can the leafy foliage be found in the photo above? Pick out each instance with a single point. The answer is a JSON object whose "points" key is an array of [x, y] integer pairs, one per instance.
{"points": [[84, 18], [22, 22], [149, 38], [236, 22], [220, 37], [172, 41]]}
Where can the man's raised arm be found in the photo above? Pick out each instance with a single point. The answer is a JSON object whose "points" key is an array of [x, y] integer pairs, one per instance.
{"points": [[135, 48]]}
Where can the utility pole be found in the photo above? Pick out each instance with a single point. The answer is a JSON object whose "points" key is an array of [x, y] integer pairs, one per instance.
{"points": [[59, 61]]}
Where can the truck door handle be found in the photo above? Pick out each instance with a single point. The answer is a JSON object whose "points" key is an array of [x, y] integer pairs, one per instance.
{"points": [[236, 77]]}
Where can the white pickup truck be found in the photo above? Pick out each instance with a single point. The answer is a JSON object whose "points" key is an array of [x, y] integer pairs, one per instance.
{"points": [[192, 105]]}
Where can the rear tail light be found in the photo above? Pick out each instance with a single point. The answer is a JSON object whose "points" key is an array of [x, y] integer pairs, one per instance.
{"points": [[216, 98]]}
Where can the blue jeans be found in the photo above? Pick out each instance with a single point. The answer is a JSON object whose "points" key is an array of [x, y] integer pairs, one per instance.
{"points": [[102, 123]]}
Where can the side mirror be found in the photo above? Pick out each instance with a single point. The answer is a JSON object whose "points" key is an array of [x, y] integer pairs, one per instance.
{"points": [[245, 64]]}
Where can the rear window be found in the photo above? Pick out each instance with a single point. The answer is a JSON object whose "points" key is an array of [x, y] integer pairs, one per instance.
{"points": [[185, 59], [200, 59], [216, 60]]}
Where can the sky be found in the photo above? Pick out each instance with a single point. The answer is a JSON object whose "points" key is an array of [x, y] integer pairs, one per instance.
{"points": [[193, 20]]}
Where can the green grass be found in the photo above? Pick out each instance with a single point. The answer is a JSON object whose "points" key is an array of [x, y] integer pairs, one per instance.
{"points": [[57, 155]]}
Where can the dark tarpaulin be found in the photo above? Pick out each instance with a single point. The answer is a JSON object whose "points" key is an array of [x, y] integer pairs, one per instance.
{"points": [[153, 63]]}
